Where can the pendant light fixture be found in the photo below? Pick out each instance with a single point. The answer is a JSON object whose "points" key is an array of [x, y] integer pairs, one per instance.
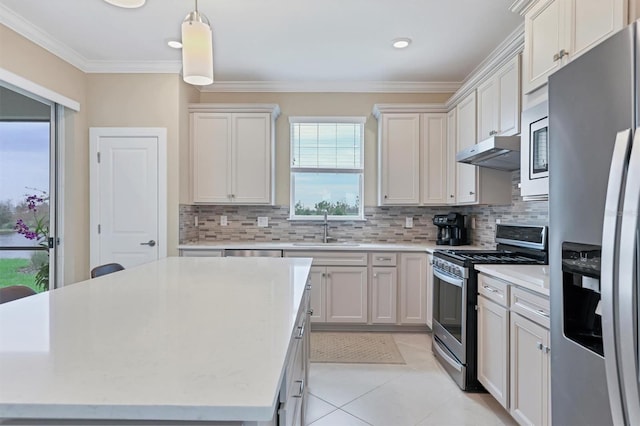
{"points": [[197, 49], [128, 4]]}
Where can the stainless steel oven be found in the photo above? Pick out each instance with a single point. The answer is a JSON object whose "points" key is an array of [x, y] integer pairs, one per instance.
{"points": [[450, 316]]}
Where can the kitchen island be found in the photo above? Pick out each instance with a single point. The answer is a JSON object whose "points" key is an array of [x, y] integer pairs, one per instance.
{"points": [[180, 339]]}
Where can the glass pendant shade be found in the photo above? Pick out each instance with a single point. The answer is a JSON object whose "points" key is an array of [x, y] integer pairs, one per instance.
{"points": [[197, 50], [129, 4]]}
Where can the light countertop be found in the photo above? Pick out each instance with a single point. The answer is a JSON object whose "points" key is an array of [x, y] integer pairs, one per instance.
{"points": [[428, 246], [176, 339], [532, 277]]}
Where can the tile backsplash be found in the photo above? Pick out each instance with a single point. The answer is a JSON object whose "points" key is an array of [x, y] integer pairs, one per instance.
{"points": [[381, 224]]}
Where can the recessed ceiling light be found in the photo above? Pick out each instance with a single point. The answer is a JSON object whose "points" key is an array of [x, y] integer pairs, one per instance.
{"points": [[174, 44], [401, 43], [128, 4]]}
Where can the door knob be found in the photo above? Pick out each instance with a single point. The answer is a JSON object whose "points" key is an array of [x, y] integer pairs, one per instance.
{"points": [[149, 243]]}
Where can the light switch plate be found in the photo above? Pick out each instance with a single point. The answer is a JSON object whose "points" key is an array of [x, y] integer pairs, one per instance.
{"points": [[408, 222], [263, 221], [196, 223], [223, 221], [473, 223]]}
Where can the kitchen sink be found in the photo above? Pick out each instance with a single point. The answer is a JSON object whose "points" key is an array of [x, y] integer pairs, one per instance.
{"points": [[343, 244]]}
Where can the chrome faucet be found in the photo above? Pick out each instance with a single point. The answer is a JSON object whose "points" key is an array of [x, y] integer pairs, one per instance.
{"points": [[325, 237]]}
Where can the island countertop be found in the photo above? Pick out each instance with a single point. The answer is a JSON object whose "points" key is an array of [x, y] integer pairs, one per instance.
{"points": [[177, 339]]}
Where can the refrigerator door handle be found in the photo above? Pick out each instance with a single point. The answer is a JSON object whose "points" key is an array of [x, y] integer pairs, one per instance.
{"points": [[627, 292], [608, 276]]}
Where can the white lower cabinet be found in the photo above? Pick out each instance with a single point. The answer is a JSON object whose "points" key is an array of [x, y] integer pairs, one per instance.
{"points": [[429, 290], [413, 288], [384, 290], [493, 349], [317, 304], [346, 295], [530, 372]]}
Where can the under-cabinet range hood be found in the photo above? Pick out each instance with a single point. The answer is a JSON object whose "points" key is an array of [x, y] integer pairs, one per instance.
{"points": [[497, 152]]}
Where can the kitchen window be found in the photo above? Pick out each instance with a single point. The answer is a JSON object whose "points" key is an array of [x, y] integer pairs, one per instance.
{"points": [[327, 167]]}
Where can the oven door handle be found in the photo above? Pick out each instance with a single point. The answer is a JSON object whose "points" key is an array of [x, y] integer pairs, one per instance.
{"points": [[458, 282]]}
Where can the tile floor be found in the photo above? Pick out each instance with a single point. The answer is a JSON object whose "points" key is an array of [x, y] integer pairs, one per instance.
{"points": [[419, 393]]}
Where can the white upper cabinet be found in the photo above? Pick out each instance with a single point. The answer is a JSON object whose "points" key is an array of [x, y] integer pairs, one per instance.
{"points": [[452, 169], [399, 159], [434, 159], [232, 153], [499, 102], [558, 31], [467, 175]]}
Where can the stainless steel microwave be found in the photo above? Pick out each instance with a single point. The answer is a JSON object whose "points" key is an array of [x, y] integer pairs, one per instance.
{"points": [[534, 152]]}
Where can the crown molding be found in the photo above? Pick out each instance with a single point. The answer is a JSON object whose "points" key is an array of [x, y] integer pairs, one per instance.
{"points": [[133, 67], [273, 109], [333, 86], [43, 39], [407, 108], [522, 6], [510, 47]]}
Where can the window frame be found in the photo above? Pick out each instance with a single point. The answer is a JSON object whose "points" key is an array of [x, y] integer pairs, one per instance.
{"points": [[293, 120]]}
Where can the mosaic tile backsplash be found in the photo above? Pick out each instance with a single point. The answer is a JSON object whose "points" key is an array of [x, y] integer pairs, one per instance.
{"points": [[382, 224]]}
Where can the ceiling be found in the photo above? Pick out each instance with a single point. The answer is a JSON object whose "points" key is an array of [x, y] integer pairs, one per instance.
{"points": [[276, 40]]}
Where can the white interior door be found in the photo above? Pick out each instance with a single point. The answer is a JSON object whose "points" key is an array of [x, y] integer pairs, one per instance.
{"points": [[128, 201]]}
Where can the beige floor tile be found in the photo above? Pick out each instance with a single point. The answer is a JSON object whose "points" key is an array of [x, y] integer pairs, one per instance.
{"points": [[339, 418], [317, 408], [339, 384], [420, 392]]}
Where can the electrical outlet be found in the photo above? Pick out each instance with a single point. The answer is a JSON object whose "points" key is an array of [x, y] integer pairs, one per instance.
{"points": [[195, 221], [498, 221], [408, 222], [223, 221], [263, 221]]}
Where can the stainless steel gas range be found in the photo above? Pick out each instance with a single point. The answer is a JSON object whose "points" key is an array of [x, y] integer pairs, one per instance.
{"points": [[455, 294]]}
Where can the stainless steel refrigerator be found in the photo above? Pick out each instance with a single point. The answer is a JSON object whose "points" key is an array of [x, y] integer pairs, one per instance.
{"points": [[594, 194]]}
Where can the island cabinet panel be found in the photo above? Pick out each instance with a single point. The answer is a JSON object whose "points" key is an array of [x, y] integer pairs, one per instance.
{"points": [[318, 291]]}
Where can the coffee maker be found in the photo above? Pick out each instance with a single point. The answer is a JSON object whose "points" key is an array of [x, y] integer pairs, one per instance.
{"points": [[452, 229]]}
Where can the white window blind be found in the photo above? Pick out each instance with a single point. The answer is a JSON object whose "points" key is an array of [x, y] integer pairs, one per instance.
{"points": [[326, 145]]}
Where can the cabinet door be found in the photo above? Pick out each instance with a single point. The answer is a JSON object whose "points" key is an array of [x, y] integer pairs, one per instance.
{"points": [[413, 288], [452, 164], [429, 290], [508, 83], [383, 297], [488, 95], [529, 372], [317, 296], [493, 349], [211, 157], [467, 176], [252, 158], [346, 294], [542, 28], [399, 159], [591, 21], [434, 159]]}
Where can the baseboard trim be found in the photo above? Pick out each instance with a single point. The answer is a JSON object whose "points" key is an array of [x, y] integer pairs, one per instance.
{"points": [[371, 327]]}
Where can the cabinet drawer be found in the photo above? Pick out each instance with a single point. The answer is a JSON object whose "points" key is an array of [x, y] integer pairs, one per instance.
{"points": [[383, 259], [531, 306], [332, 258], [494, 289]]}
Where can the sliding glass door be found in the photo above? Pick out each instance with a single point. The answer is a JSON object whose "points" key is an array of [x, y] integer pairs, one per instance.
{"points": [[27, 184]]}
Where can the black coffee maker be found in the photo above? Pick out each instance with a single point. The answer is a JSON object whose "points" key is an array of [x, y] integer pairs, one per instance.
{"points": [[452, 229]]}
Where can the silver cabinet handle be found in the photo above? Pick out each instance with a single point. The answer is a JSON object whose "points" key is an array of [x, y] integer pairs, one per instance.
{"points": [[300, 390], [563, 53], [471, 192], [301, 330], [149, 243], [543, 313], [539, 345], [493, 132], [385, 197], [489, 289], [310, 312], [384, 259], [375, 275], [451, 195], [556, 57], [547, 349]]}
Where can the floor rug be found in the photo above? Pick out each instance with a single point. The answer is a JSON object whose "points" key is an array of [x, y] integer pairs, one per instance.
{"points": [[354, 348]]}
